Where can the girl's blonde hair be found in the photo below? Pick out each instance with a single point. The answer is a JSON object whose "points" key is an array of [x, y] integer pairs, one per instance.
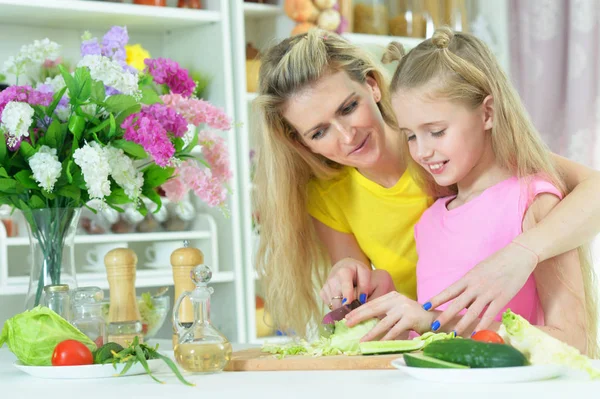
{"points": [[290, 261], [460, 67]]}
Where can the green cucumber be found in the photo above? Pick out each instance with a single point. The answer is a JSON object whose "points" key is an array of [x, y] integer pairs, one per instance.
{"points": [[475, 354], [383, 347], [420, 360]]}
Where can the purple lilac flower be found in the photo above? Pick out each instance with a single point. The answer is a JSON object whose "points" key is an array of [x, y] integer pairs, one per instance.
{"points": [[90, 47], [149, 133], [25, 94], [113, 44], [111, 91], [166, 71], [170, 120]]}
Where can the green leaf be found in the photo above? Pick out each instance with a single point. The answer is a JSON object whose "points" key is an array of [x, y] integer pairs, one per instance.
{"points": [[53, 135], [26, 179], [179, 143], [154, 197], [154, 176], [98, 92], [68, 171], [27, 150], [57, 96], [149, 96], [192, 143], [124, 114], [119, 102], [50, 196], [76, 125], [118, 196], [84, 81], [8, 186], [71, 84], [69, 192], [3, 172], [113, 127], [99, 127], [3, 149], [36, 202], [131, 148]]}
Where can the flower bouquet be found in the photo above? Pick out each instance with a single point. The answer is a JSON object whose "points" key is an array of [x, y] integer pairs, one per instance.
{"points": [[104, 132]]}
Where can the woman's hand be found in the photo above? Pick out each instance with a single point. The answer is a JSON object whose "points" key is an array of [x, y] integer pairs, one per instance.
{"points": [[398, 315], [350, 279], [492, 284]]}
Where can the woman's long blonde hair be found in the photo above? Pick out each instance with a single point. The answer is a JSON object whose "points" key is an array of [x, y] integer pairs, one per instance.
{"points": [[463, 69], [290, 260]]}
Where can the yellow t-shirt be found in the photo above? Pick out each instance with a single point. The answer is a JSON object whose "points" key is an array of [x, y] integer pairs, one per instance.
{"points": [[382, 219]]}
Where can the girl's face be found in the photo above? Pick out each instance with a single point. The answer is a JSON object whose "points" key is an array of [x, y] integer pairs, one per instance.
{"points": [[338, 118], [446, 138]]}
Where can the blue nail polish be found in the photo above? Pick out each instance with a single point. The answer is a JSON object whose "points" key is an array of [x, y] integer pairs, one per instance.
{"points": [[363, 298], [427, 305], [455, 334], [344, 301], [473, 333], [435, 325]]}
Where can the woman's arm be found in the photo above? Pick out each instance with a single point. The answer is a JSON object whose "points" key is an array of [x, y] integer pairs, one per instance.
{"points": [[572, 223]]}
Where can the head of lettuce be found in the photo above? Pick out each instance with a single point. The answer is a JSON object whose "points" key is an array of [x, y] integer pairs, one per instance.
{"points": [[33, 335]]}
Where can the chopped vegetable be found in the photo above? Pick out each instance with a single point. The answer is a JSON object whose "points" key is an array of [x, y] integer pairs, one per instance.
{"points": [[71, 353], [487, 336], [541, 348], [33, 335], [105, 352]]}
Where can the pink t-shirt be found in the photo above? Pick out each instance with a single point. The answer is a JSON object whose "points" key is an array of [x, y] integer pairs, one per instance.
{"points": [[452, 242]]}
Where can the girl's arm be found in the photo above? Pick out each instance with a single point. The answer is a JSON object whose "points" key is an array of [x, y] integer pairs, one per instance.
{"points": [[572, 223]]}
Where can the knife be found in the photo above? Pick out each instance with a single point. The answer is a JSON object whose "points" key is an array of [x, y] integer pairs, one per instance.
{"points": [[327, 326]]}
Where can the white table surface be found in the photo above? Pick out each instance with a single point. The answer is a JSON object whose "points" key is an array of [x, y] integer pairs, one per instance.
{"points": [[365, 384]]}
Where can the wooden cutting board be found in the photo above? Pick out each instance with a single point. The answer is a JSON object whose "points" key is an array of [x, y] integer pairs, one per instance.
{"points": [[255, 360]]}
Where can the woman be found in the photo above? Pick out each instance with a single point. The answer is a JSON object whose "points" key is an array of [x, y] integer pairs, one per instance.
{"points": [[332, 189]]}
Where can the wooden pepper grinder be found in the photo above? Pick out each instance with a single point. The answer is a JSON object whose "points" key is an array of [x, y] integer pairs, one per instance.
{"points": [[184, 260], [124, 316]]}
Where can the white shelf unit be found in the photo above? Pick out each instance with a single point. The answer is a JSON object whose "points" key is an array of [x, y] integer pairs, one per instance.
{"points": [[196, 39], [264, 25]]}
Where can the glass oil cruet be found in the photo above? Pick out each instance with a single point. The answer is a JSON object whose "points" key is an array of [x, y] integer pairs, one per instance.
{"points": [[201, 347]]}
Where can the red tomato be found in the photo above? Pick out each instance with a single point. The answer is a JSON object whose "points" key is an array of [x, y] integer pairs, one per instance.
{"points": [[71, 353], [487, 336]]}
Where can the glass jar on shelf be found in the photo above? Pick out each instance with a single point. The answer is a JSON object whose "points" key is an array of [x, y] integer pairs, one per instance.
{"points": [[408, 18], [371, 17]]}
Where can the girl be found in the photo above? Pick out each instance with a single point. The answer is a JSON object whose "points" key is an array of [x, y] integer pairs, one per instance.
{"points": [[334, 195], [472, 143]]}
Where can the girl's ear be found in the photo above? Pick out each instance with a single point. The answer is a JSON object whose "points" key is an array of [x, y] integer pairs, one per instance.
{"points": [[374, 87], [488, 112]]}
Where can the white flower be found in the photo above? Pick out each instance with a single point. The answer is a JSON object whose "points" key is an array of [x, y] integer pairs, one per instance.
{"points": [[189, 135], [46, 167], [16, 119], [57, 83], [124, 172], [111, 74], [93, 162], [32, 56]]}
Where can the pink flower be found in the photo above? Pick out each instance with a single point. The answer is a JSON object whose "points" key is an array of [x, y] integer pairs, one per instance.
{"points": [[175, 189], [198, 112], [216, 155], [24, 94], [193, 176], [150, 134], [170, 120], [166, 71]]}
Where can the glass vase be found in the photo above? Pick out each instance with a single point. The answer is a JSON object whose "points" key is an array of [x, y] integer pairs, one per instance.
{"points": [[51, 240]]}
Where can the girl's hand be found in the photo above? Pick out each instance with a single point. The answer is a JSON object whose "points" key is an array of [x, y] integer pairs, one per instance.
{"points": [[398, 315], [492, 284]]}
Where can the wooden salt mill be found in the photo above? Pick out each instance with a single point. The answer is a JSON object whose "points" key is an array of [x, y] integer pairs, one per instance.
{"points": [[124, 316], [184, 260]]}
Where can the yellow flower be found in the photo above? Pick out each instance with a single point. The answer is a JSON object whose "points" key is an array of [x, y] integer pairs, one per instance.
{"points": [[135, 55]]}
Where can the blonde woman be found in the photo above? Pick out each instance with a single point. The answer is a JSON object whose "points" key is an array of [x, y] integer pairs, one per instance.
{"points": [[335, 196], [468, 133]]}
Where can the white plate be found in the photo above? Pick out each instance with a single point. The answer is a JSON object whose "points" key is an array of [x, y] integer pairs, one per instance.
{"points": [[477, 376], [89, 371]]}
